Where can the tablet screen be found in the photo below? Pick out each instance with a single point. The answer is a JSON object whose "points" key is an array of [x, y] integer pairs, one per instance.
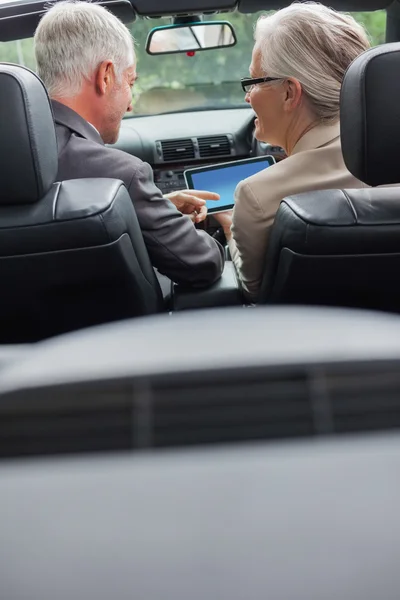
{"points": [[223, 179]]}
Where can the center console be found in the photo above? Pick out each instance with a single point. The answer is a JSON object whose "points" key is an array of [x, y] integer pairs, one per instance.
{"points": [[170, 180]]}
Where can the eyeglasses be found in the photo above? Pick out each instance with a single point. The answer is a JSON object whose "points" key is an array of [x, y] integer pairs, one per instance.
{"points": [[248, 83]]}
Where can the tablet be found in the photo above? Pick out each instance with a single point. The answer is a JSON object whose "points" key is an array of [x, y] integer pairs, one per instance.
{"points": [[223, 179]]}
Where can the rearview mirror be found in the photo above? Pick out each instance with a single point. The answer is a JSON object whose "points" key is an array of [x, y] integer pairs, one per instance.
{"points": [[194, 37]]}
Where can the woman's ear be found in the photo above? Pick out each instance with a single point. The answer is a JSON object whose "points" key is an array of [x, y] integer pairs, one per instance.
{"points": [[293, 94], [104, 77]]}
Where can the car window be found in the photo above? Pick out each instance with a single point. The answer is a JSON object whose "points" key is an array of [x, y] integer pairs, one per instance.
{"points": [[209, 79], [176, 82]]}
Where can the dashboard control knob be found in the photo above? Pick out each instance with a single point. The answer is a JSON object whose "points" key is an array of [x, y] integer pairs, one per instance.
{"points": [[169, 174]]}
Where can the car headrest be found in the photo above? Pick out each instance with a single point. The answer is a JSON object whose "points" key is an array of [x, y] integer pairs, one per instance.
{"points": [[28, 146], [370, 116]]}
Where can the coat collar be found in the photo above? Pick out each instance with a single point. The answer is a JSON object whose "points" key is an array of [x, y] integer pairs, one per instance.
{"points": [[63, 115], [318, 136]]}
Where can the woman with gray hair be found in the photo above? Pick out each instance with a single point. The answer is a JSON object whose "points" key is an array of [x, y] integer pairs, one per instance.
{"points": [[299, 59]]}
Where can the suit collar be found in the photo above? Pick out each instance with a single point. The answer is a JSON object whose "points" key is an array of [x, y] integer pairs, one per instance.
{"points": [[63, 115], [318, 136]]}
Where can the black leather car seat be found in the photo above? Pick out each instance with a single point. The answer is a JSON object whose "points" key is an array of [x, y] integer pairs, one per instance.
{"points": [[71, 253], [342, 247]]}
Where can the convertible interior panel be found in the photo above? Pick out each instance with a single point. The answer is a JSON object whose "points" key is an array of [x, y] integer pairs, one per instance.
{"points": [[173, 7], [19, 20]]}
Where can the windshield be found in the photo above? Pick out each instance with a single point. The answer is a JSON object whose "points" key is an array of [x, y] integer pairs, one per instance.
{"points": [[176, 82], [209, 79]]}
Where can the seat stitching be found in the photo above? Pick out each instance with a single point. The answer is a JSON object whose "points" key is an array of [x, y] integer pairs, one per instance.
{"points": [[104, 226], [56, 200], [353, 210]]}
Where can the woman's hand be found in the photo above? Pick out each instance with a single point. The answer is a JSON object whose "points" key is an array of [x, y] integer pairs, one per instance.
{"points": [[192, 202], [225, 220]]}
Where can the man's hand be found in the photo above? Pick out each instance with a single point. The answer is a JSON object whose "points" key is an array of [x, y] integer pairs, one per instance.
{"points": [[192, 202], [225, 220]]}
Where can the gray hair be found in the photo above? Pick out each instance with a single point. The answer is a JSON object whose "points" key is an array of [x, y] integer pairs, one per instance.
{"points": [[315, 45], [73, 39]]}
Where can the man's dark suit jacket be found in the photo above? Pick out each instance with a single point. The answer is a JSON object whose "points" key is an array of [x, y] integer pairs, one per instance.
{"points": [[176, 248]]}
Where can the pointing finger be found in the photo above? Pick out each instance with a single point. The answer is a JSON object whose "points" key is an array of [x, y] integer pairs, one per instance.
{"points": [[205, 194]]}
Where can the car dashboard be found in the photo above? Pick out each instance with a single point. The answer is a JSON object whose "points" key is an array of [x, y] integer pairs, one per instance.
{"points": [[173, 142]]}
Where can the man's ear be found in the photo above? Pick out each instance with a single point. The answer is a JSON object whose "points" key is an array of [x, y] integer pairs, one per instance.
{"points": [[293, 94], [104, 77]]}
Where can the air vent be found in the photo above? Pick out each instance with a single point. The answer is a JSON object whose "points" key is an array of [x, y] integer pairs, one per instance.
{"points": [[177, 150], [366, 402], [214, 146], [182, 411], [123, 416]]}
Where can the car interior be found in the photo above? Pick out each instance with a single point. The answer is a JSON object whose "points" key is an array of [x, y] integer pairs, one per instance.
{"points": [[168, 442]]}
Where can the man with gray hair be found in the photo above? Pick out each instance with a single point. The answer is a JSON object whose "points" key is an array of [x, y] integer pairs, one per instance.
{"points": [[85, 57]]}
